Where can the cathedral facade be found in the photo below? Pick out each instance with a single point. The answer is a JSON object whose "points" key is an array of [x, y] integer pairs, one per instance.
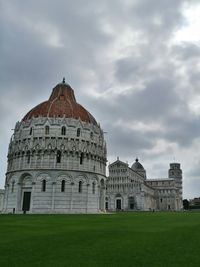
{"points": [[57, 164], [129, 189]]}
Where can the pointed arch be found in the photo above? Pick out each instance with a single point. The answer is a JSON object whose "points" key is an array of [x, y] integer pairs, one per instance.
{"points": [[47, 129], [78, 132], [63, 183], [63, 130], [80, 186]]}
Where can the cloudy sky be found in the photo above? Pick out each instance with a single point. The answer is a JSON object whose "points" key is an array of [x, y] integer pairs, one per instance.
{"points": [[134, 64]]}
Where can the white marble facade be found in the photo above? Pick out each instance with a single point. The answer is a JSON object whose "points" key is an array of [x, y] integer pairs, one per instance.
{"points": [[129, 189], [56, 164], [1, 199]]}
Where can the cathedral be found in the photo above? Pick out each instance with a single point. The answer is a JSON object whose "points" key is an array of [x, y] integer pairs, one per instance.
{"points": [[57, 164], [129, 189]]}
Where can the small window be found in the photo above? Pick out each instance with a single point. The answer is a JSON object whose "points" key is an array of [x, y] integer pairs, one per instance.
{"points": [[31, 131], [47, 129], [80, 185], [91, 135], [63, 130], [161, 200], [58, 157], [78, 133], [81, 158], [63, 186], [93, 188], [43, 185]]}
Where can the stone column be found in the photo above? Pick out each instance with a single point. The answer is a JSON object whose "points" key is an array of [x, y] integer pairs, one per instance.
{"points": [[32, 196], [71, 198], [53, 196], [102, 198], [99, 198], [87, 197], [42, 159], [6, 197], [21, 161], [19, 196]]}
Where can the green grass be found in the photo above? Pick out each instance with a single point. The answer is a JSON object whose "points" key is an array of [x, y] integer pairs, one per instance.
{"points": [[121, 239]]}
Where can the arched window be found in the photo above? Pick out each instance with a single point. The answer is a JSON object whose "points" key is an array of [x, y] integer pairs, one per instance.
{"points": [[102, 182], [46, 129], [28, 157], [63, 186], [31, 131], [63, 130], [78, 133], [91, 135], [80, 185], [43, 185], [58, 156], [93, 187], [81, 158]]}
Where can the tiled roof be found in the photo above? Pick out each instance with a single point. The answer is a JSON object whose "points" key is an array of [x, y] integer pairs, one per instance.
{"points": [[62, 103]]}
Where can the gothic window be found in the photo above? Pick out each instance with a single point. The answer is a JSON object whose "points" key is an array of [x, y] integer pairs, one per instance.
{"points": [[58, 157], [93, 187], [31, 131], [161, 200], [102, 183], [78, 133], [63, 186], [63, 130], [81, 159], [80, 185], [46, 129], [43, 185]]}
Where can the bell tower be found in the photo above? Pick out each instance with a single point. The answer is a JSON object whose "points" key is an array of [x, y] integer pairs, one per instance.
{"points": [[175, 173]]}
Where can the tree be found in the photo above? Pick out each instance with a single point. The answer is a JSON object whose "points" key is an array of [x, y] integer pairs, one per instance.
{"points": [[185, 204]]}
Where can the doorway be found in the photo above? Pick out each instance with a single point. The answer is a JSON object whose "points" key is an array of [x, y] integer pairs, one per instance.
{"points": [[118, 204], [26, 201]]}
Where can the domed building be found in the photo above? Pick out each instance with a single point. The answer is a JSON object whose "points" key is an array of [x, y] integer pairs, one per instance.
{"points": [[138, 168], [129, 189], [56, 159]]}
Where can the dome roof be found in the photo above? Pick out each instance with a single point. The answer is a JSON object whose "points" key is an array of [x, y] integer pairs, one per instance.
{"points": [[137, 166], [62, 103]]}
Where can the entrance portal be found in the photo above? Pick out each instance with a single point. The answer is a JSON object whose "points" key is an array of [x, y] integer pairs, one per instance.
{"points": [[119, 204], [26, 201]]}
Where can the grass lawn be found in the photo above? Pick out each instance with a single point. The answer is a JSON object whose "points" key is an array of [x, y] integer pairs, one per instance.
{"points": [[121, 239]]}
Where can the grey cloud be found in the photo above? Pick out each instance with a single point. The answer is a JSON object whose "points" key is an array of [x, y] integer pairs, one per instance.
{"points": [[186, 51], [125, 142], [30, 66], [158, 18]]}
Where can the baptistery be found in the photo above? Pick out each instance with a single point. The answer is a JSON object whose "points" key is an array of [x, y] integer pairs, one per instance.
{"points": [[56, 159]]}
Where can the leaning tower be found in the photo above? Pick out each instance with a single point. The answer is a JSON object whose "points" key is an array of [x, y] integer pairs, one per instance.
{"points": [[56, 159], [175, 173]]}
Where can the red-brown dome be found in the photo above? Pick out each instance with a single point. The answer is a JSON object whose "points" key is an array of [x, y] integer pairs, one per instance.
{"points": [[62, 103]]}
